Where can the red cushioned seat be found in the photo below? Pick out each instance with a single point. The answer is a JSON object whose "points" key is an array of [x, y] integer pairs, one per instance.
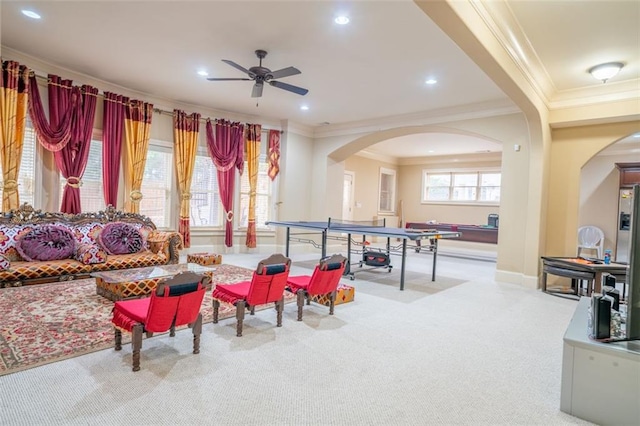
{"points": [[266, 286], [134, 310], [325, 279], [175, 302]]}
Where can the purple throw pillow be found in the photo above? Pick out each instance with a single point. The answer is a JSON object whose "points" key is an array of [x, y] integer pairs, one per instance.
{"points": [[120, 238], [46, 242]]}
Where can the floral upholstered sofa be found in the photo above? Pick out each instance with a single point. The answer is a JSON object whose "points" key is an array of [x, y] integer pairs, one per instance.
{"points": [[38, 247]]}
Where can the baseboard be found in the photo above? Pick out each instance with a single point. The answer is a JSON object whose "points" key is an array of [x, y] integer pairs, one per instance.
{"points": [[517, 278]]}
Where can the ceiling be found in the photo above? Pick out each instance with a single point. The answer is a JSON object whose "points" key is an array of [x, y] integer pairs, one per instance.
{"points": [[371, 68]]}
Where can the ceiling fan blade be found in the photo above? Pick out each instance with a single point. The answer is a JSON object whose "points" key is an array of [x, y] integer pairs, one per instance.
{"points": [[284, 72], [239, 67], [257, 90], [289, 87], [227, 79]]}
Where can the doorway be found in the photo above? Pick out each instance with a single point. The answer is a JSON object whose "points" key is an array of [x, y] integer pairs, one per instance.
{"points": [[347, 195]]}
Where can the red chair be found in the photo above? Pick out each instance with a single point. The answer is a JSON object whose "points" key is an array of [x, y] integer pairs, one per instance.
{"points": [[175, 302], [325, 279], [266, 286]]}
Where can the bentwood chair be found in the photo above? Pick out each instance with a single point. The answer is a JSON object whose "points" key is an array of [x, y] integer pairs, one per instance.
{"points": [[324, 280], [266, 286], [175, 302]]}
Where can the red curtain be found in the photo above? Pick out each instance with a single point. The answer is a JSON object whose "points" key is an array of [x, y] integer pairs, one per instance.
{"points": [[72, 159], [112, 128], [274, 153], [64, 107], [68, 131], [225, 149]]}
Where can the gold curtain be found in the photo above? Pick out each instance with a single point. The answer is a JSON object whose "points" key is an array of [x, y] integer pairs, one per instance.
{"points": [[185, 139], [253, 157], [137, 124], [13, 113]]}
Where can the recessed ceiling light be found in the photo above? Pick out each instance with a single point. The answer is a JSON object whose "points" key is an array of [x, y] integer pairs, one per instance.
{"points": [[431, 151], [431, 81], [203, 73], [31, 14], [304, 107], [341, 20]]}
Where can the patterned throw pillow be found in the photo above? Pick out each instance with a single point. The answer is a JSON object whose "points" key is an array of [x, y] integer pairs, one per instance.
{"points": [[120, 238], [85, 232], [89, 254], [4, 263], [46, 242], [9, 236]]}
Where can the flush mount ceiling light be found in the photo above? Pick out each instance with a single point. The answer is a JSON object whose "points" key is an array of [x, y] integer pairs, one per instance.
{"points": [[341, 20], [605, 71]]}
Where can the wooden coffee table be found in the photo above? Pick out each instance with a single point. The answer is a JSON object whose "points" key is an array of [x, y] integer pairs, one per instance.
{"points": [[139, 282]]}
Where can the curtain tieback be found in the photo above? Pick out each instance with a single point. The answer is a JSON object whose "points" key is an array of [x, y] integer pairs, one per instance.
{"points": [[74, 182], [135, 196], [229, 216], [10, 185], [186, 196]]}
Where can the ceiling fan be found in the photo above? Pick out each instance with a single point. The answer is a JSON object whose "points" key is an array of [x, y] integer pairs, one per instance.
{"points": [[262, 75]]}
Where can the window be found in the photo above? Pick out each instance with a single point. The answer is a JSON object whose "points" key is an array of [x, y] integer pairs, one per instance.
{"points": [[387, 194], [206, 207], [91, 194], [438, 187], [27, 173], [465, 186], [157, 185], [263, 194], [461, 186]]}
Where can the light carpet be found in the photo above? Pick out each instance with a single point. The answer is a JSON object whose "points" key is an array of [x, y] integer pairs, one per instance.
{"points": [[479, 353]]}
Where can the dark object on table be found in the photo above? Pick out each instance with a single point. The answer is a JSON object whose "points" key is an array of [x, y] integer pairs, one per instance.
{"points": [[493, 220], [601, 317]]}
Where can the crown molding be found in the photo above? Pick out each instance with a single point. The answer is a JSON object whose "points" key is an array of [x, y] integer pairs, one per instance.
{"points": [[424, 118], [490, 157], [297, 128], [501, 21], [378, 157]]}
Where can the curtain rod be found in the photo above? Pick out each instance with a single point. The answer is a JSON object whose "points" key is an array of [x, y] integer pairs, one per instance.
{"points": [[156, 110]]}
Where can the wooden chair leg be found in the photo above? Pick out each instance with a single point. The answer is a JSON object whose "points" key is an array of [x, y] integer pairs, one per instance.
{"points": [[300, 296], [332, 302], [136, 344], [118, 335], [279, 309], [196, 327], [172, 331], [216, 307], [240, 307], [252, 310]]}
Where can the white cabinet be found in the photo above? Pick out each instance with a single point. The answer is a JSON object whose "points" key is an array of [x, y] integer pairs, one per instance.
{"points": [[600, 381]]}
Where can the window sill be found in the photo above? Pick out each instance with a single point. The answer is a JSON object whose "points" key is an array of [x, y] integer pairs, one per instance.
{"points": [[462, 203]]}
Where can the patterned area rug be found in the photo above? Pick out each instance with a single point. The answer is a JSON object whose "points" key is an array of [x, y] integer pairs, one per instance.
{"points": [[51, 322]]}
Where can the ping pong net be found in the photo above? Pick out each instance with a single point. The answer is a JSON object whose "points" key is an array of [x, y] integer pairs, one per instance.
{"points": [[351, 224]]}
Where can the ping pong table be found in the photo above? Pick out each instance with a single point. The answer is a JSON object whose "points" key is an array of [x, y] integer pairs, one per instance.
{"points": [[371, 228]]}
